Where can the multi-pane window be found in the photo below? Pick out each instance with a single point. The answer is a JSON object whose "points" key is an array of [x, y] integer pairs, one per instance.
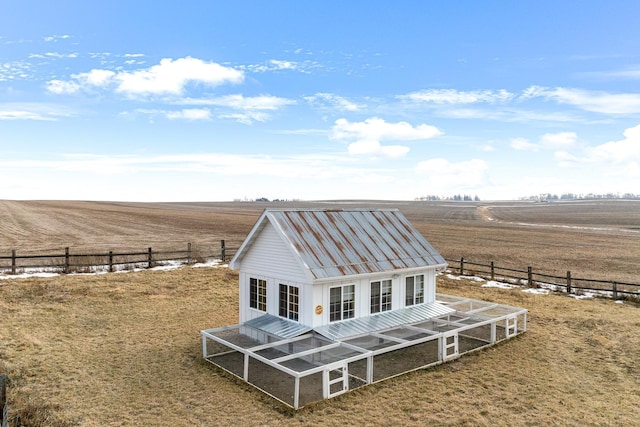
{"points": [[289, 301], [380, 296], [258, 294], [414, 286], [342, 302]]}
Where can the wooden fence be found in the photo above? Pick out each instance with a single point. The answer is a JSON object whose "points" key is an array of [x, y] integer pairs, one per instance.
{"points": [[68, 262], [536, 279], [4, 406], [110, 261]]}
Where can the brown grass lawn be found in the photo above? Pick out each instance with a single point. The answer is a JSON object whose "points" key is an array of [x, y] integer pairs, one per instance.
{"points": [[124, 350]]}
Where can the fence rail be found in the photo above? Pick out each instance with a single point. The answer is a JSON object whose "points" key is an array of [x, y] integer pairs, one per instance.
{"points": [[68, 262], [533, 279]]}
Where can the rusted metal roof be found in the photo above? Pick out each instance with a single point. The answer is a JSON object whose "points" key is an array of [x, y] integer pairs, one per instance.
{"points": [[334, 243]]}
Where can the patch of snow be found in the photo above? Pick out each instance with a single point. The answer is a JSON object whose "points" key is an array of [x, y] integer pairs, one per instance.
{"points": [[473, 278], [27, 275], [494, 284], [210, 263], [586, 295], [168, 265], [536, 291], [619, 301]]}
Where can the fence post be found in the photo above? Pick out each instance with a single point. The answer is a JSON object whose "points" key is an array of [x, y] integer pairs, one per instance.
{"points": [[529, 277], [223, 251], [66, 260], [615, 290], [150, 258], [13, 261], [493, 276], [188, 253], [3, 401], [461, 266], [110, 261], [568, 282]]}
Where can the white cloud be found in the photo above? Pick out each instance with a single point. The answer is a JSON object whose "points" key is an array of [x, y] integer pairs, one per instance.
{"points": [[445, 175], [250, 109], [16, 70], [190, 114], [33, 111], [95, 77], [626, 150], [169, 77], [523, 144], [558, 140], [550, 141], [594, 101], [366, 136], [631, 73], [453, 96], [238, 101], [56, 38], [372, 147], [378, 129], [23, 115], [247, 118], [61, 87], [334, 102], [61, 55], [278, 64]]}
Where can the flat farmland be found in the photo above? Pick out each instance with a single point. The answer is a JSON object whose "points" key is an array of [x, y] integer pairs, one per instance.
{"points": [[124, 349], [597, 239]]}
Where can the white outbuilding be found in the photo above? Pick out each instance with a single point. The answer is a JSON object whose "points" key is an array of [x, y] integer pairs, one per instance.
{"points": [[327, 294]]}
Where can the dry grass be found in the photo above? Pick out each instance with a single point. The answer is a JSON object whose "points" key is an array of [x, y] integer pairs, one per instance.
{"points": [[124, 349]]}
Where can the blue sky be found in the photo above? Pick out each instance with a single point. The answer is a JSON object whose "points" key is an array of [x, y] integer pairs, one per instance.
{"points": [[218, 100]]}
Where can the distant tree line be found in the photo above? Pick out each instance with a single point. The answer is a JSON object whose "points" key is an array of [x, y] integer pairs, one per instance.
{"points": [[264, 199], [455, 198], [571, 196]]}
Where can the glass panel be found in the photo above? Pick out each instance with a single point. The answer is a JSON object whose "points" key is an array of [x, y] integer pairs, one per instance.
{"points": [[348, 297], [335, 301], [385, 295], [419, 289], [262, 295], [283, 300], [293, 302], [408, 300], [375, 297], [253, 293]]}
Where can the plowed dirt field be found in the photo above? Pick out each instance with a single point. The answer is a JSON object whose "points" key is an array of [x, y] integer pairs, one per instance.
{"points": [[593, 239]]}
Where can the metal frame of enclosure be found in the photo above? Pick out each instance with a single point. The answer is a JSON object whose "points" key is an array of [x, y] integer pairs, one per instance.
{"points": [[311, 367]]}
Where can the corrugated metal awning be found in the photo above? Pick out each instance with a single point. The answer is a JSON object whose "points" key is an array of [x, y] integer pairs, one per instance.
{"points": [[387, 320], [277, 326]]}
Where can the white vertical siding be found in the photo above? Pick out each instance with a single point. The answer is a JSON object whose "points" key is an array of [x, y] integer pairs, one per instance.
{"points": [[270, 256]]}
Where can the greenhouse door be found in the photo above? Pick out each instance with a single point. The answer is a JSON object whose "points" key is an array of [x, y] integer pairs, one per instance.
{"points": [[335, 381]]}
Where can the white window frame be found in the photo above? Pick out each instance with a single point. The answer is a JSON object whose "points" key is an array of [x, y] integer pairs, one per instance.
{"points": [[289, 307], [414, 296], [382, 300], [260, 301], [347, 307]]}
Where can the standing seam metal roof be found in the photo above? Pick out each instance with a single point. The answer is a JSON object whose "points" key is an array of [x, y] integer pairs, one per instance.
{"points": [[334, 243]]}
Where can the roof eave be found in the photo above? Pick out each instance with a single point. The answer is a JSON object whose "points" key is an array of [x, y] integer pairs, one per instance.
{"points": [[437, 267]]}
